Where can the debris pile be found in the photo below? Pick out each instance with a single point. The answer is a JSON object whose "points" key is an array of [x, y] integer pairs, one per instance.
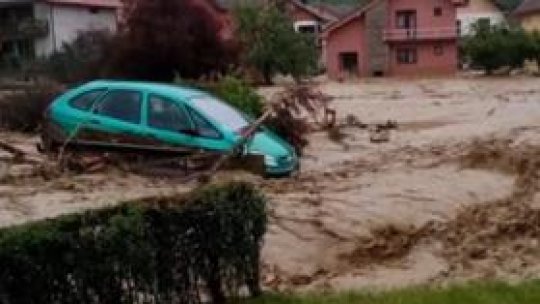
{"points": [[489, 240], [492, 240], [502, 237], [299, 110], [385, 243]]}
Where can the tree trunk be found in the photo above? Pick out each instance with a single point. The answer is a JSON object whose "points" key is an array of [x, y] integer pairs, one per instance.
{"points": [[268, 78]]}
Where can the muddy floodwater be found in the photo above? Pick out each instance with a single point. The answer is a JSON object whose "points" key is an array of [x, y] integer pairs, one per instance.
{"points": [[453, 195]]}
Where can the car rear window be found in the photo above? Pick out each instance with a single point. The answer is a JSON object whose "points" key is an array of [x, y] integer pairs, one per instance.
{"points": [[86, 100]]}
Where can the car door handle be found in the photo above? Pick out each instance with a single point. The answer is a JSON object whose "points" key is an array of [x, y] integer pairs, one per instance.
{"points": [[94, 122]]}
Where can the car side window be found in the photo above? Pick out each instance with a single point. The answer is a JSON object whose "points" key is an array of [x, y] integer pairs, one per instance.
{"points": [[204, 128], [122, 105], [165, 114], [85, 101]]}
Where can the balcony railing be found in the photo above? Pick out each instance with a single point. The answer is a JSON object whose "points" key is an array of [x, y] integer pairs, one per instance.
{"points": [[26, 28], [442, 33]]}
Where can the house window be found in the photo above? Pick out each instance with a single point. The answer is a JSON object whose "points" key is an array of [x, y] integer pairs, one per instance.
{"points": [[406, 19], [458, 27], [407, 56], [94, 10], [484, 22], [438, 50], [437, 12], [307, 29]]}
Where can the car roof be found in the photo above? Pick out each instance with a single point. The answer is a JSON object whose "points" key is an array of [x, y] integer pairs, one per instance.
{"points": [[168, 90]]}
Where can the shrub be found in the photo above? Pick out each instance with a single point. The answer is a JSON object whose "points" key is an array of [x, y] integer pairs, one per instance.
{"points": [[165, 250], [495, 46], [23, 110], [239, 94], [535, 47], [233, 90], [297, 110]]}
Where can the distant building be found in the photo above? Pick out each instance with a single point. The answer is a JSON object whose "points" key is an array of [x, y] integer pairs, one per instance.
{"points": [[528, 14], [33, 28], [394, 37], [485, 11], [307, 18]]}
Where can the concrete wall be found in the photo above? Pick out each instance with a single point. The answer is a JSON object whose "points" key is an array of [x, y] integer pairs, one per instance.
{"points": [[374, 33], [66, 22], [348, 38], [428, 62], [478, 9]]}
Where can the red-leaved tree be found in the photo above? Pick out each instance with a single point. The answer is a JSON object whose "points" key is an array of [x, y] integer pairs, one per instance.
{"points": [[160, 38]]}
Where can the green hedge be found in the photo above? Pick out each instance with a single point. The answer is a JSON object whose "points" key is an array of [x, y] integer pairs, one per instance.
{"points": [[167, 250]]}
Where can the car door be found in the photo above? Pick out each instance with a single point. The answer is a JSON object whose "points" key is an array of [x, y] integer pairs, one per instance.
{"points": [[116, 119], [168, 122]]}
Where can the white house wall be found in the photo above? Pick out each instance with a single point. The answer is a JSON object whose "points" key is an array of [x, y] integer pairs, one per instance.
{"points": [[66, 22], [467, 20]]}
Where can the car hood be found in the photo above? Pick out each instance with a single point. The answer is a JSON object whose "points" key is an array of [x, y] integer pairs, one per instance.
{"points": [[267, 143]]}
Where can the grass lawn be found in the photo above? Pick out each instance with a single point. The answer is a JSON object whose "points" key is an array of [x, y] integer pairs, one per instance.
{"points": [[478, 293]]}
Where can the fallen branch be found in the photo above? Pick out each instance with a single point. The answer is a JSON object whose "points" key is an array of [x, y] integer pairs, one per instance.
{"points": [[17, 153], [205, 176]]}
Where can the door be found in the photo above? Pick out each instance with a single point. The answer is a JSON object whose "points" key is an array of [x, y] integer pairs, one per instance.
{"points": [[116, 119], [172, 123], [406, 20], [168, 122], [349, 63]]}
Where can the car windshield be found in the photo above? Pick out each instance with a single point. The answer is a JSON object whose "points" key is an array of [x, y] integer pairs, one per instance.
{"points": [[221, 112]]}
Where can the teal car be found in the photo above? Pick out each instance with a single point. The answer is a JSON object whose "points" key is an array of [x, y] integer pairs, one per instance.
{"points": [[156, 117]]}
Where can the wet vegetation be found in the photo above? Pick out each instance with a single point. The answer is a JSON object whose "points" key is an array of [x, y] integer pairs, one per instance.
{"points": [[474, 293], [158, 250]]}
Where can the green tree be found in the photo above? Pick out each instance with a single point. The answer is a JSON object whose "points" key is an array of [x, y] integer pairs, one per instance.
{"points": [[495, 46], [271, 46], [534, 53], [508, 5]]}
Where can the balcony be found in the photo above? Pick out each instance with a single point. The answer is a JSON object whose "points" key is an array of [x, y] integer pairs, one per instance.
{"points": [[24, 29], [419, 34]]}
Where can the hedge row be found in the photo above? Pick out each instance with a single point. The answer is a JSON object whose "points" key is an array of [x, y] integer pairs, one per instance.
{"points": [[204, 246]]}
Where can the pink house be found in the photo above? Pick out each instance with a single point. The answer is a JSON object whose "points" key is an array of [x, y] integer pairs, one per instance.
{"points": [[396, 38]]}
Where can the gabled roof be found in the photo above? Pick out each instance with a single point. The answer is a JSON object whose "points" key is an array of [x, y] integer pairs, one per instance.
{"points": [[355, 14], [88, 3], [338, 11], [321, 14], [230, 4], [527, 7]]}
